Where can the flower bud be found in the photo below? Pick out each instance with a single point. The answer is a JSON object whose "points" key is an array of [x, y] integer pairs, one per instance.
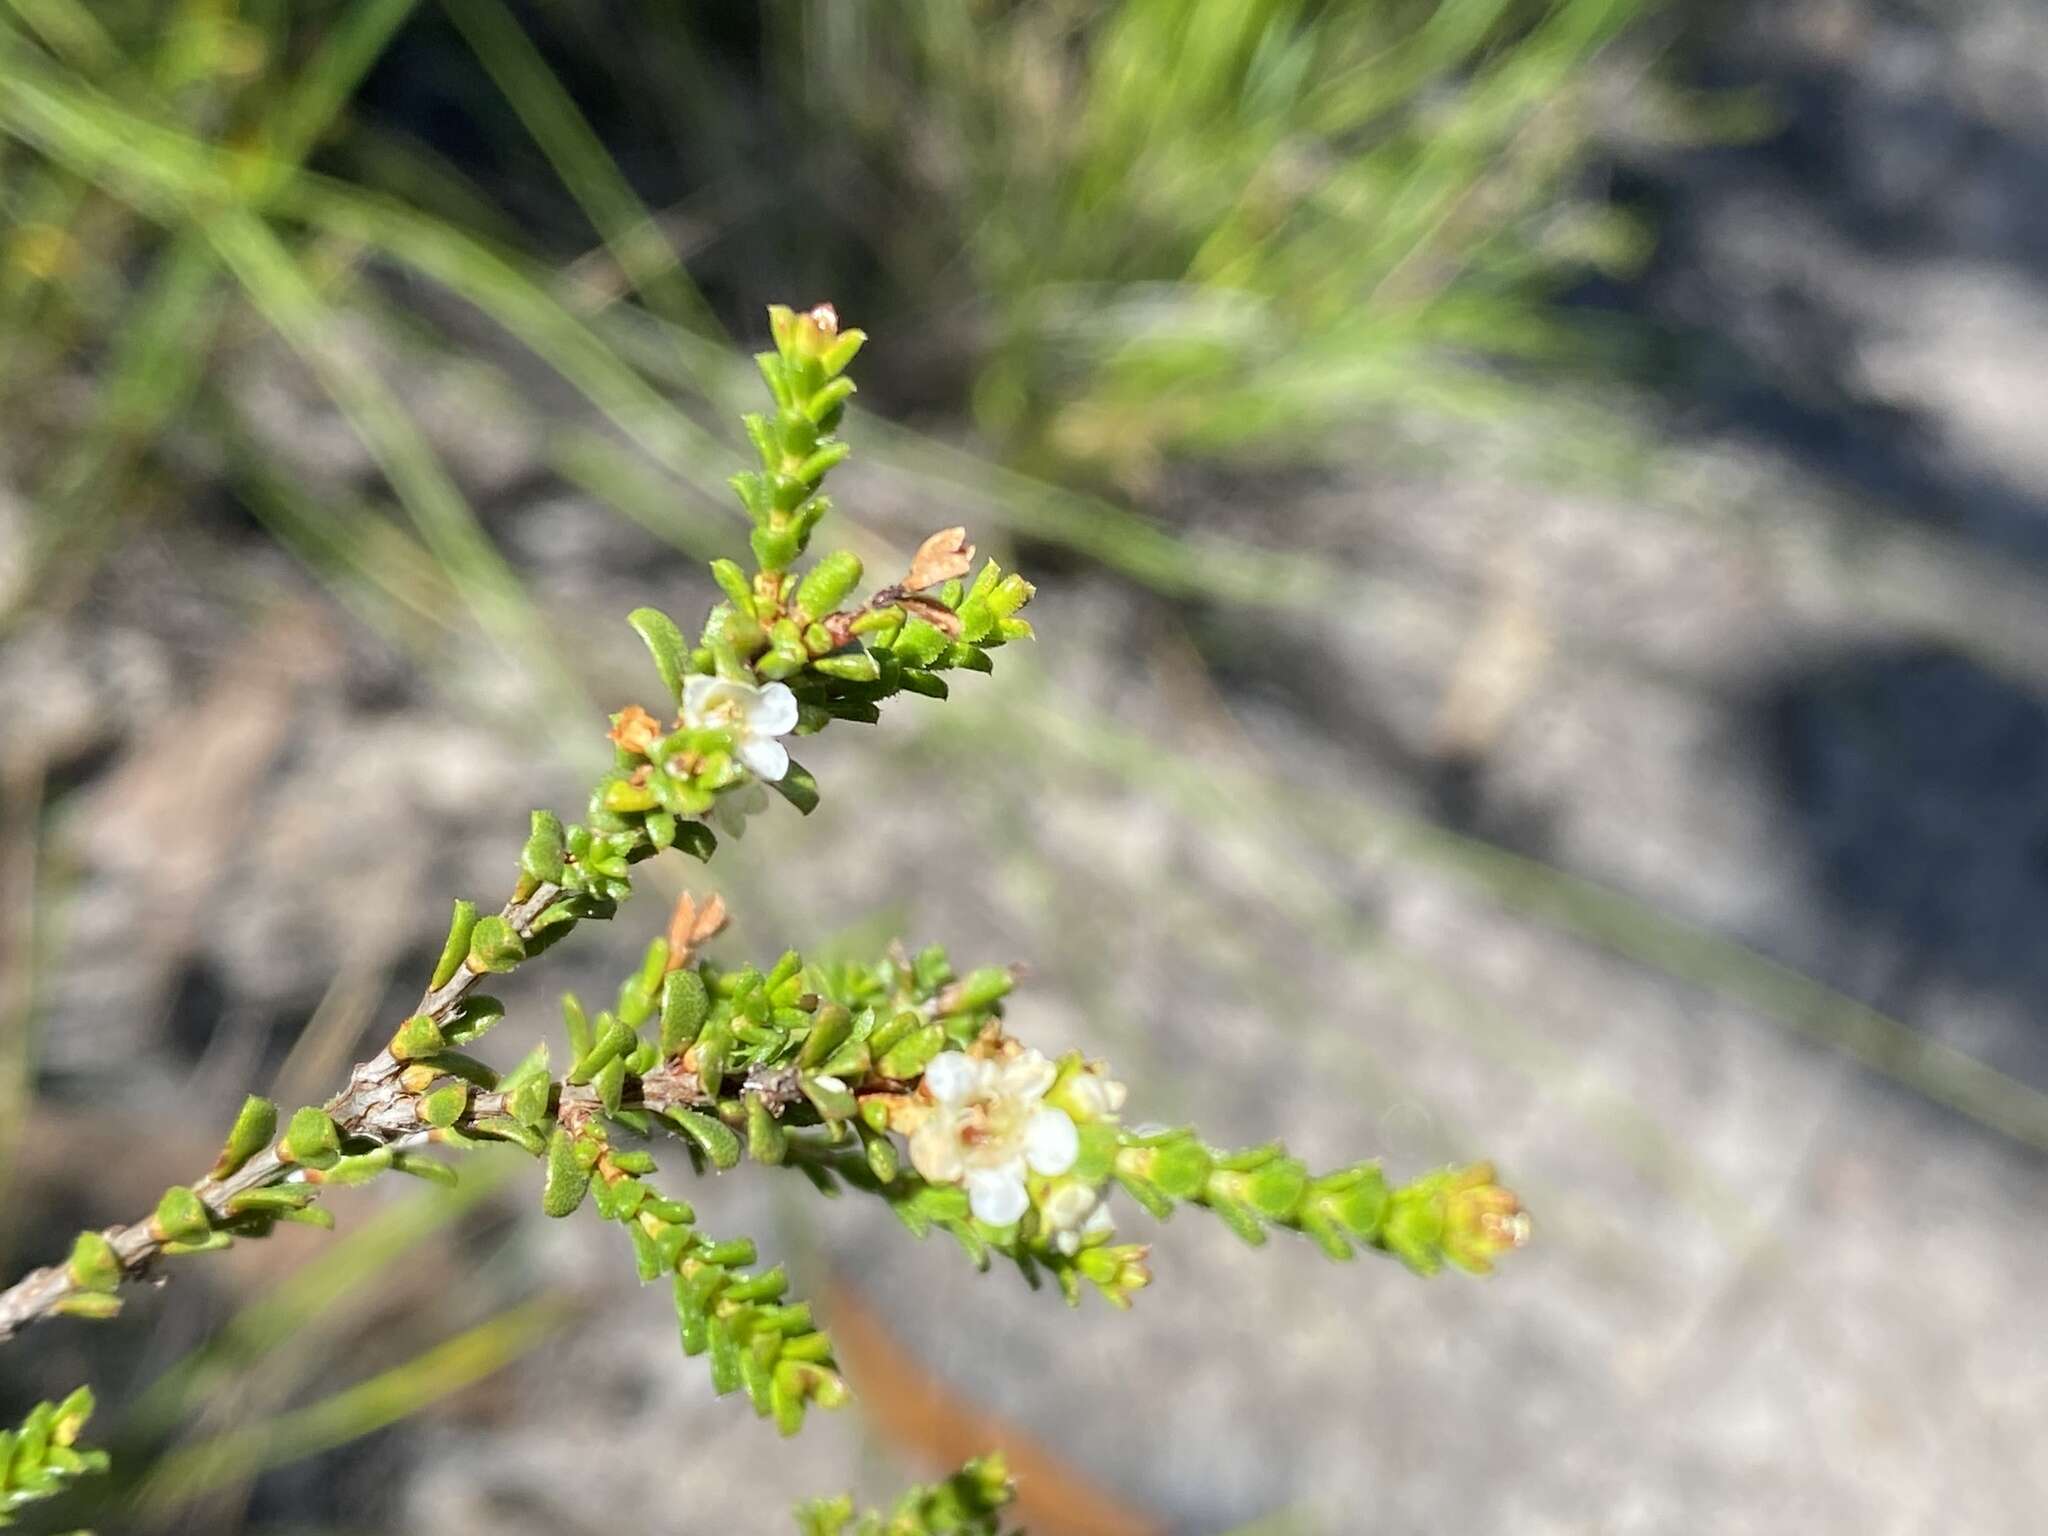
{"points": [[1482, 1220]]}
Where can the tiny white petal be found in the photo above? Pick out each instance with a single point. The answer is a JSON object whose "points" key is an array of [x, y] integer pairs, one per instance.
{"points": [[996, 1195], [1068, 1205], [1051, 1144], [1085, 1093], [774, 711], [935, 1152], [698, 690], [1099, 1220], [1029, 1076], [766, 758], [950, 1077]]}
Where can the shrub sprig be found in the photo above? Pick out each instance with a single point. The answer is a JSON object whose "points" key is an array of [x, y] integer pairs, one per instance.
{"points": [[896, 1077]]}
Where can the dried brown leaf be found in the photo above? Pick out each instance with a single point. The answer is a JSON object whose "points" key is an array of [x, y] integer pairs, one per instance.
{"points": [[635, 730], [933, 612], [690, 926], [943, 557]]}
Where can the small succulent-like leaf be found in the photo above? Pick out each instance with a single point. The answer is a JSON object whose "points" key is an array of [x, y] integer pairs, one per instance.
{"points": [[93, 1266], [418, 1036], [909, 1056], [711, 1136], [684, 1004], [495, 946], [542, 859], [311, 1139], [827, 584], [456, 946], [568, 1176], [665, 644], [799, 786], [766, 1141], [181, 1216], [254, 1129]]}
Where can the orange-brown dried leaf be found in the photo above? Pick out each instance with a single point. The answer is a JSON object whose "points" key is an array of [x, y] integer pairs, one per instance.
{"points": [[690, 926], [934, 613], [945, 556], [635, 730]]}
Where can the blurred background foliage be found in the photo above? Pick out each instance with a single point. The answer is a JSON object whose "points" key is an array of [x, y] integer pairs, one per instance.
{"points": [[1120, 233], [1110, 248]]}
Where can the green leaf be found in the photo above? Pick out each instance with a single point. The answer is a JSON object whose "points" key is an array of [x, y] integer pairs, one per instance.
{"points": [[713, 1137], [684, 1004], [799, 787], [827, 584], [766, 1141], [418, 1036], [94, 1266], [495, 946], [665, 644], [456, 947], [254, 1129], [311, 1139], [733, 582], [913, 1053], [541, 859], [444, 1106], [568, 1176], [181, 1217]]}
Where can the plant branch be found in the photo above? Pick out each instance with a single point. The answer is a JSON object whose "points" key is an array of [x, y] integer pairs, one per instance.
{"points": [[373, 1107]]}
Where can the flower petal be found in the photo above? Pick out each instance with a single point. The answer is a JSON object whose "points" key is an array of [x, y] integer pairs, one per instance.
{"points": [[772, 711], [765, 757], [950, 1077], [1067, 1205], [996, 1195], [1028, 1076], [699, 693], [1051, 1144], [935, 1151]]}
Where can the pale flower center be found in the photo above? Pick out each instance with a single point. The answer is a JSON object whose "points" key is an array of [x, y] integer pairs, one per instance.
{"points": [[991, 1130]]}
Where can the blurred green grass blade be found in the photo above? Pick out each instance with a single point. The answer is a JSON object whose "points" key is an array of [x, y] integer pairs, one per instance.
{"points": [[498, 286], [282, 293], [158, 365], [360, 1410], [1120, 539], [1626, 926], [630, 232], [595, 463], [323, 89], [1133, 545], [371, 564], [163, 351], [340, 1279], [71, 31], [1172, 563]]}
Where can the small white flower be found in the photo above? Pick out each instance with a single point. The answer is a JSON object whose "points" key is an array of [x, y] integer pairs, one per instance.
{"points": [[1093, 1094], [988, 1127], [754, 716], [1074, 1212]]}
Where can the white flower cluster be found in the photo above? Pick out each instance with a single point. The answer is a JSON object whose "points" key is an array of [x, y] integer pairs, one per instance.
{"points": [[988, 1127]]}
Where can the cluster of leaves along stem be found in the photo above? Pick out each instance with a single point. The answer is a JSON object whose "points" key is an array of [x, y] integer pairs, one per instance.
{"points": [[894, 1077], [969, 1503], [41, 1458]]}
